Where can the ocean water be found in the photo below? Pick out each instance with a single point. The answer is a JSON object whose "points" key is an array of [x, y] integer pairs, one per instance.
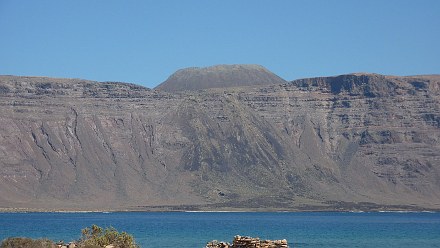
{"points": [[195, 229]]}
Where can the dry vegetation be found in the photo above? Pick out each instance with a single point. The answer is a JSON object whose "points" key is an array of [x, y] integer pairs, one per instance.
{"points": [[93, 237]]}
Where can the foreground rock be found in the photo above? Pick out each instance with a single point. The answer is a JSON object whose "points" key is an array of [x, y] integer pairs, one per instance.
{"points": [[248, 242]]}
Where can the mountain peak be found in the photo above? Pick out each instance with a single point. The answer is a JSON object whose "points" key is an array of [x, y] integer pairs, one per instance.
{"points": [[219, 76]]}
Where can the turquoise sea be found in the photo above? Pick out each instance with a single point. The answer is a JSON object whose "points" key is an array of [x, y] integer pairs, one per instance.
{"points": [[194, 229]]}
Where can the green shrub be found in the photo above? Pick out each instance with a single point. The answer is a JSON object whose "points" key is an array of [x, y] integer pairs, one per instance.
{"points": [[95, 237]]}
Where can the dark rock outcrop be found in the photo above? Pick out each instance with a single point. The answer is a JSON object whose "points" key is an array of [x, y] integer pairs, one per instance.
{"points": [[370, 85], [219, 76], [371, 142]]}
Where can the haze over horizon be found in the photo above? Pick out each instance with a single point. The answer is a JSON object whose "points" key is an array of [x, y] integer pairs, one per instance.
{"points": [[144, 42]]}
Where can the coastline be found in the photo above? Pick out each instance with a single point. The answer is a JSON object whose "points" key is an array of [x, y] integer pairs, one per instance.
{"points": [[186, 209]]}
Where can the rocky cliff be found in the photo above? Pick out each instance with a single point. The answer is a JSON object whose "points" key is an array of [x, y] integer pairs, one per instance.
{"points": [[358, 141]]}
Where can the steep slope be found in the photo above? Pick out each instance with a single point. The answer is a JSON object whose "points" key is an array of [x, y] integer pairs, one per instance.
{"points": [[82, 144], [358, 141], [219, 76]]}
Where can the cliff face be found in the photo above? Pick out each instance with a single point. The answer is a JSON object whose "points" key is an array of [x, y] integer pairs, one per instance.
{"points": [[353, 141]]}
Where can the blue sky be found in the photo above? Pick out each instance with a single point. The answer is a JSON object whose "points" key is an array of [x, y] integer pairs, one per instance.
{"points": [[144, 42]]}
